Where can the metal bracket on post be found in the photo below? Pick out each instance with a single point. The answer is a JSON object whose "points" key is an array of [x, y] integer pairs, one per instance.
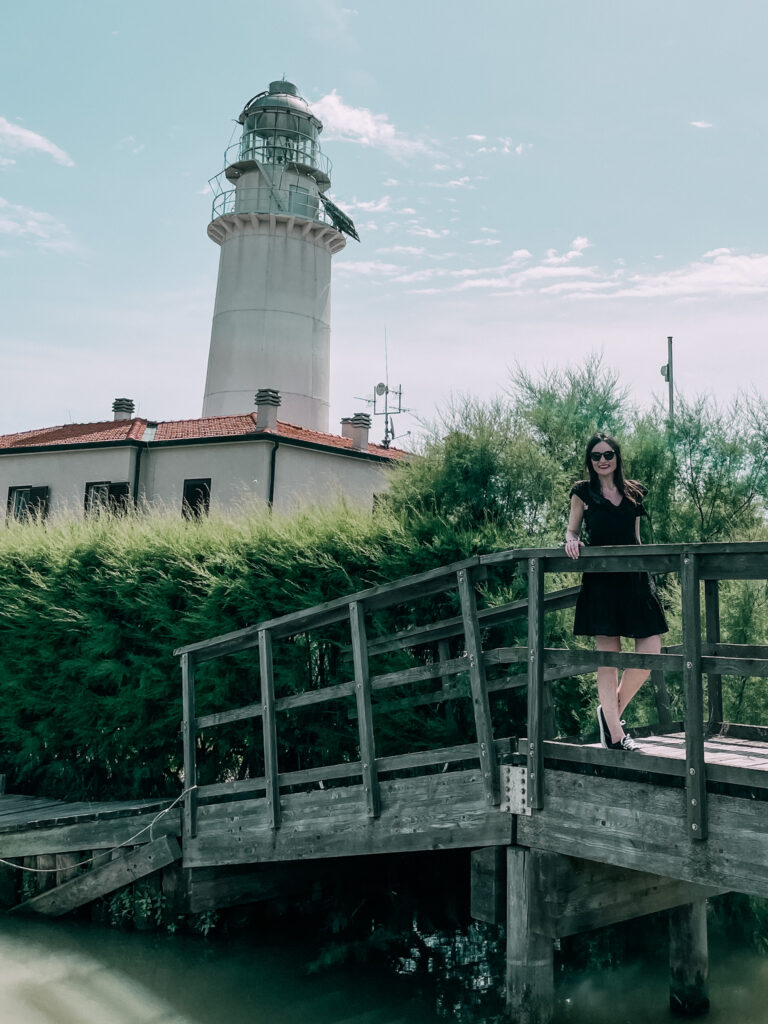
{"points": [[514, 789]]}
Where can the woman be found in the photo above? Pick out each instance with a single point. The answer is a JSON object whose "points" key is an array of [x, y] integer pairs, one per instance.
{"points": [[613, 605]]}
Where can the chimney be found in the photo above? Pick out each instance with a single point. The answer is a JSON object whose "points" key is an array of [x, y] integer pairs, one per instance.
{"points": [[267, 404], [123, 408], [356, 428]]}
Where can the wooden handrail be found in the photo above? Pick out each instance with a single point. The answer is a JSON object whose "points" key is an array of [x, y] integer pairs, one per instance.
{"points": [[539, 665]]}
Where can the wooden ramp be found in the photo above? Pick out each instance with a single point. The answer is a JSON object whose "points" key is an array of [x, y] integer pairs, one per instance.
{"points": [[82, 850]]}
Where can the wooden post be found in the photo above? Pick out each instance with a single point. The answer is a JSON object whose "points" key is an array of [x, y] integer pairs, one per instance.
{"points": [[189, 730], [269, 727], [488, 884], [661, 696], [712, 633], [530, 955], [688, 959], [695, 770], [480, 703], [364, 709], [536, 730]]}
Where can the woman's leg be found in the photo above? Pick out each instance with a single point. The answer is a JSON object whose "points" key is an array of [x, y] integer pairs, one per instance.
{"points": [[633, 678], [607, 687]]}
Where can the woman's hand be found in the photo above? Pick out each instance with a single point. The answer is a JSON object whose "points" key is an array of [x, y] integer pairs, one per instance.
{"points": [[572, 547]]}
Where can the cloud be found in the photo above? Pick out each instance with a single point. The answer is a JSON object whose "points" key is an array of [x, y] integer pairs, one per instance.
{"points": [[427, 232], [506, 146], [490, 231], [406, 250], [364, 127], [369, 205], [476, 138], [21, 140], [699, 124], [486, 241], [130, 145], [367, 268], [6, 161], [41, 229], [464, 182], [391, 183]]}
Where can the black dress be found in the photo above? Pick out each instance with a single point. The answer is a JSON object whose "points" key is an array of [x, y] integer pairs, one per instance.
{"points": [[615, 603]]}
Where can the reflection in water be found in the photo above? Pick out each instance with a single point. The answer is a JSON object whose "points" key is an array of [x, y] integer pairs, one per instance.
{"points": [[70, 973], [62, 973]]}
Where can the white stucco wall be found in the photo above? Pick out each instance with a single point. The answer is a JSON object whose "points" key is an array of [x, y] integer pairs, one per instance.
{"points": [[305, 476], [239, 472], [66, 473]]}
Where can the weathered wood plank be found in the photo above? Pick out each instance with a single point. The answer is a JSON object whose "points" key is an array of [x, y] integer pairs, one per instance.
{"points": [[695, 780], [688, 959], [422, 584], [241, 714], [93, 834], [445, 628], [477, 681], [126, 868], [530, 955], [657, 758], [750, 565], [712, 634], [364, 710], [580, 895], [643, 826], [661, 697], [488, 884], [269, 727], [536, 731], [190, 739], [442, 811]]}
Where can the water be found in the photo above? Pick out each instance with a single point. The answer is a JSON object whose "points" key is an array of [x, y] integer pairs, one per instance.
{"points": [[70, 973], [66, 973]]}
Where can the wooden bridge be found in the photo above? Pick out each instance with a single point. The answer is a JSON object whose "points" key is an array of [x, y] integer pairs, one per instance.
{"points": [[566, 836]]}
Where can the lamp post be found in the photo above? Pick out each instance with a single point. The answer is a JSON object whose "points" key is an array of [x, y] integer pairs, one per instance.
{"points": [[667, 372]]}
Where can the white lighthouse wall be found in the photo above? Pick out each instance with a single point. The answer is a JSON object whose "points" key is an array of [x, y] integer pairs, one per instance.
{"points": [[65, 473], [271, 325]]}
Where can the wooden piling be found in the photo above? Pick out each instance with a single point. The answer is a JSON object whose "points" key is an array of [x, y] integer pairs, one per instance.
{"points": [[688, 959], [530, 955]]}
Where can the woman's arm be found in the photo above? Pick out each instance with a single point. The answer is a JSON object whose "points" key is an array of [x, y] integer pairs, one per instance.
{"points": [[637, 530], [572, 542]]}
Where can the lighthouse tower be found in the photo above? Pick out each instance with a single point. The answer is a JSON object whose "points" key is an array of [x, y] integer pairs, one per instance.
{"points": [[277, 231]]}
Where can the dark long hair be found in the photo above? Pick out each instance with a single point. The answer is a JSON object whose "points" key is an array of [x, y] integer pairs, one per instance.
{"points": [[629, 488]]}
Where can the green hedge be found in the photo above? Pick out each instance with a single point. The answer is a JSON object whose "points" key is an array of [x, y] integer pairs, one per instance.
{"points": [[90, 613]]}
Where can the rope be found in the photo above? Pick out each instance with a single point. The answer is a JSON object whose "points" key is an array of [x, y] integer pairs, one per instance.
{"points": [[126, 842]]}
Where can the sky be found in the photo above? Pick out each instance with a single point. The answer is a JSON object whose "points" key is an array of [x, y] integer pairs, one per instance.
{"points": [[531, 182]]}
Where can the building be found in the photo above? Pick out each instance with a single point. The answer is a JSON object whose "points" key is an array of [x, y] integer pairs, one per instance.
{"points": [[270, 347]]}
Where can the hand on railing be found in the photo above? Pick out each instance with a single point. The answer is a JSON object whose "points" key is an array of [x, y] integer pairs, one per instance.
{"points": [[573, 546]]}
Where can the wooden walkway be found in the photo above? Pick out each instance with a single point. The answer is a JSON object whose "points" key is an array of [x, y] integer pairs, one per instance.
{"points": [[684, 819]]}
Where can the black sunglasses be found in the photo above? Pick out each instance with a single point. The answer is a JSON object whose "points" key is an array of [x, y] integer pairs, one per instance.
{"points": [[599, 456]]}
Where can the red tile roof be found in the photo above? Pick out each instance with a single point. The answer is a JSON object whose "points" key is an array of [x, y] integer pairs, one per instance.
{"points": [[76, 433], [179, 430]]}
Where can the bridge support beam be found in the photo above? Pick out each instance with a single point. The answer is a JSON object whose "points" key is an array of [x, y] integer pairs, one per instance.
{"points": [[688, 959], [530, 955]]}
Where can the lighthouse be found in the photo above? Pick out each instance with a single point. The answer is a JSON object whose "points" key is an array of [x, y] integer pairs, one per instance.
{"points": [[277, 231]]}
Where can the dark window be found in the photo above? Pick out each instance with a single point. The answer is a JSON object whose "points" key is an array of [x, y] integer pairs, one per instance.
{"points": [[105, 496], [25, 502], [197, 498]]}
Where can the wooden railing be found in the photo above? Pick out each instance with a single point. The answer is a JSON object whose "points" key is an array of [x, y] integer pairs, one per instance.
{"points": [[695, 658]]}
